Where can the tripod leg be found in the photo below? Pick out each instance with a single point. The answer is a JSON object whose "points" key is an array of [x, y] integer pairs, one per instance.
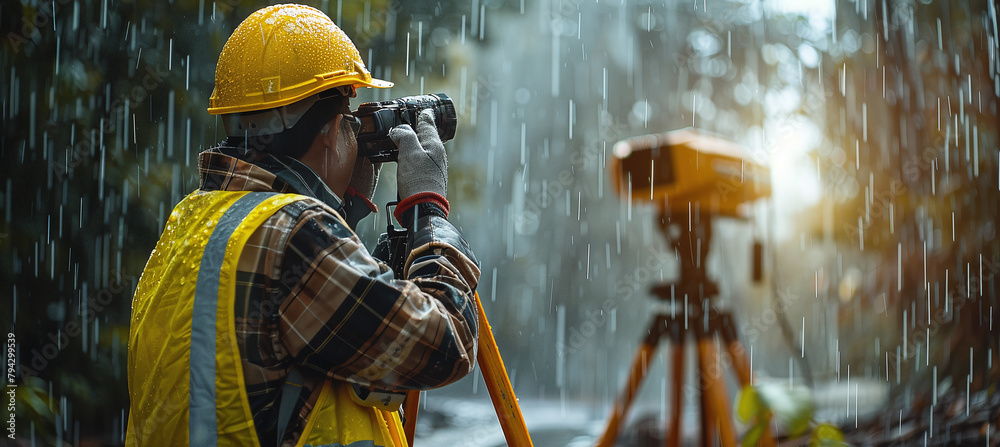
{"points": [[410, 407], [736, 351], [714, 408], [501, 392], [639, 367], [674, 431], [396, 438], [741, 367]]}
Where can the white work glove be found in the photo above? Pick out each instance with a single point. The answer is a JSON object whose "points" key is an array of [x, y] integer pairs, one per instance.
{"points": [[422, 166]]}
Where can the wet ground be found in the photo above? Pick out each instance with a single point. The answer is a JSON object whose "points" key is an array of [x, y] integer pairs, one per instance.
{"points": [[859, 408]]}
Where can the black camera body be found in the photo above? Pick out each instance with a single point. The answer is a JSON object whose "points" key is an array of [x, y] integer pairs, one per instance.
{"points": [[378, 117]]}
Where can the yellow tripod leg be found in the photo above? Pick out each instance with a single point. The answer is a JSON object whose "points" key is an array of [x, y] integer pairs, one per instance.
{"points": [[501, 392]]}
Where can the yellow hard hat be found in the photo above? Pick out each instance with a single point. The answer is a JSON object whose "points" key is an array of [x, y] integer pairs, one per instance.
{"points": [[282, 54]]}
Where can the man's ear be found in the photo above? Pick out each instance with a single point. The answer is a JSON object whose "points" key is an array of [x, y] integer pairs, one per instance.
{"points": [[329, 132]]}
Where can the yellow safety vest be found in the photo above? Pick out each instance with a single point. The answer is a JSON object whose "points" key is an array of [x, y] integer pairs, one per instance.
{"points": [[184, 371]]}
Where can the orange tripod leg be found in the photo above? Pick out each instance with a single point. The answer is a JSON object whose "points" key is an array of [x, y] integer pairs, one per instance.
{"points": [[674, 431], [714, 408], [501, 392], [639, 367], [410, 407], [497, 383]]}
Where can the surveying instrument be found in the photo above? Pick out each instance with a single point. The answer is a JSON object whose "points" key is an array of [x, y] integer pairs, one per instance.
{"points": [[693, 177]]}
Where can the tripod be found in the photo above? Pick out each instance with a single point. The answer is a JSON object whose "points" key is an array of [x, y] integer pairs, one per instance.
{"points": [[700, 321], [501, 392]]}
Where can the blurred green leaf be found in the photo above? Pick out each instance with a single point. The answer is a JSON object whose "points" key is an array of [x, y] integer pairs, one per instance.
{"points": [[798, 425], [827, 435], [748, 404], [755, 433], [794, 407], [35, 398]]}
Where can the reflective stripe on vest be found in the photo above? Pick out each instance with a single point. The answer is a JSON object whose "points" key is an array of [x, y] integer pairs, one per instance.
{"points": [[202, 424]]}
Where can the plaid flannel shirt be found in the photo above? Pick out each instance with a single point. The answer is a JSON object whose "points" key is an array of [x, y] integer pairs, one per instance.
{"points": [[310, 296]]}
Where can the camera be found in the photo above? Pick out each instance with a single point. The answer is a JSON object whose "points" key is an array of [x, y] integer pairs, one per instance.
{"points": [[378, 117]]}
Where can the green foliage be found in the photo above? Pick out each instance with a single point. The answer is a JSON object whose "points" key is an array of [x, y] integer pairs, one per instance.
{"points": [[748, 404], [826, 435], [35, 400], [755, 433], [793, 408]]}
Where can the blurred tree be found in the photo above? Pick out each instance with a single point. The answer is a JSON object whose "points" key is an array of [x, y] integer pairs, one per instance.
{"points": [[911, 161]]}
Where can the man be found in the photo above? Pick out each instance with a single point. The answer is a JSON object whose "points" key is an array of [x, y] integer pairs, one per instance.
{"points": [[260, 318]]}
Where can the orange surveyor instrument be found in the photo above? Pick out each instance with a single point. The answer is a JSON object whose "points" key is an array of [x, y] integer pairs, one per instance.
{"points": [[501, 392]]}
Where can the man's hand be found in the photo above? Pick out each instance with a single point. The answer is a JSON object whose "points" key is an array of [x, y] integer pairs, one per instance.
{"points": [[365, 178], [358, 197], [422, 166]]}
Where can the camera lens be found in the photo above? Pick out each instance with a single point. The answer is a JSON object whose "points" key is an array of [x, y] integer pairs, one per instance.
{"points": [[377, 118]]}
